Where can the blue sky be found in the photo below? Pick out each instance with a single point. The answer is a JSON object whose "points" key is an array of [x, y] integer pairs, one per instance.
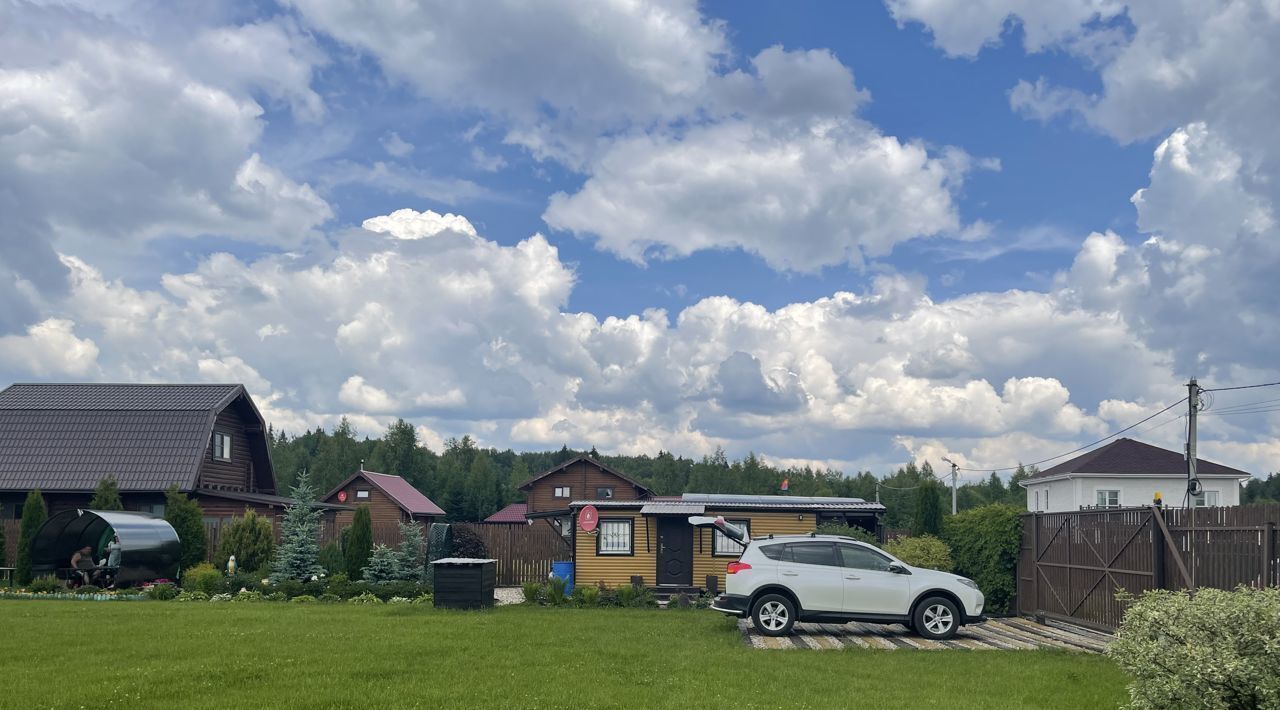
{"points": [[833, 233]]}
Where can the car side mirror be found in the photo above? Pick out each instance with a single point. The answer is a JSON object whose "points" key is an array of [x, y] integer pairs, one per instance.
{"points": [[898, 569]]}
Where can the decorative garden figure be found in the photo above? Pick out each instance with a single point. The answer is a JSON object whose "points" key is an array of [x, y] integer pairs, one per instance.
{"points": [[231, 565]]}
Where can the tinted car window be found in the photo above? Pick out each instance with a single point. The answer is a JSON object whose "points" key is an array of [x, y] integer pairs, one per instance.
{"points": [[813, 553], [863, 558], [773, 552]]}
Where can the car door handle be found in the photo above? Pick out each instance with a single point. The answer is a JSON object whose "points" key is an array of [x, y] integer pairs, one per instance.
{"points": [[850, 576], [790, 574]]}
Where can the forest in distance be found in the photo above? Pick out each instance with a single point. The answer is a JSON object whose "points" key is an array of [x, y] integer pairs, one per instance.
{"points": [[471, 482]]}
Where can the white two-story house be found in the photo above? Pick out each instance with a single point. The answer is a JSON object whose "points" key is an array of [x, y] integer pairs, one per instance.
{"points": [[1127, 473]]}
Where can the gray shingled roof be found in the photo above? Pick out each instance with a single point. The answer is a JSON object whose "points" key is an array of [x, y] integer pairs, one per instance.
{"points": [[66, 437]]}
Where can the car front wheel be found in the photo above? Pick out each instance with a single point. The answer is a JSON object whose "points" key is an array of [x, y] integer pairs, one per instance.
{"points": [[774, 615], [936, 618]]}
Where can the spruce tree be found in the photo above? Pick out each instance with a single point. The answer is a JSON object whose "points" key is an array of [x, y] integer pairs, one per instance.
{"points": [[298, 556], [107, 495], [359, 543], [33, 516], [384, 565], [187, 519], [928, 519], [412, 543]]}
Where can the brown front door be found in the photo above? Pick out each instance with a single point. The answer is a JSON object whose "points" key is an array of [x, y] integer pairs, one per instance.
{"points": [[675, 551]]}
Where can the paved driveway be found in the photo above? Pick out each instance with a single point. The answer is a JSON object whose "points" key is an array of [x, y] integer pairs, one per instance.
{"points": [[1011, 633]]}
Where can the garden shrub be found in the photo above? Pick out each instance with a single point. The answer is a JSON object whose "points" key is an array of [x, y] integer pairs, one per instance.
{"points": [[248, 537], [46, 585], [924, 551], [203, 578], [328, 598], [187, 519], [635, 596], [586, 596], [277, 597], [679, 600], [365, 599], [984, 546], [704, 601], [424, 599], [162, 592], [248, 596], [192, 596], [852, 531], [220, 598], [342, 587], [400, 600], [87, 589], [608, 596], [331, 559], [533, 592], [555, 591], [233, 584], [303, 599], [288, 587], [468, 543], [358, 543], [1209, 649], [34, 514], [386, 590], [384, 565]]}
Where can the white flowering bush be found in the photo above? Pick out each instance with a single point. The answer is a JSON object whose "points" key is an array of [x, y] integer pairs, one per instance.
{"points": [[399, 600], [192, 596], [366, 598], [1213, 649], [220, 598]]}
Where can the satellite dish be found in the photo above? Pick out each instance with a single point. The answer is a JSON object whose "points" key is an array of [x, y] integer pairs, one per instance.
{"points": [[588, 518]]}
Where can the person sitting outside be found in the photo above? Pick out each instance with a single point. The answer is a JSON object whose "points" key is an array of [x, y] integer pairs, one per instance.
{"points": [[82, 565], [112, 564]]}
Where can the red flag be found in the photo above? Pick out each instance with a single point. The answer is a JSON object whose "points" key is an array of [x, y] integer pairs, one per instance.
{"points": [[786, 483]]}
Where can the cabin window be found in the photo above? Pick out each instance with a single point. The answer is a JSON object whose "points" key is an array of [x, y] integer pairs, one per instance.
{"points": [[614, 537], [1108, 499], [561, 492], [722, 546], [362, 494], [221, 446], [604, 492], [1206, 499]]}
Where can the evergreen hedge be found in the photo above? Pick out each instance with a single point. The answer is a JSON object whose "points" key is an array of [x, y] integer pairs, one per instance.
{"points": [[106, 496], [248, 537], [33, 516], [984, 545], [359, 543], [187, 520]]}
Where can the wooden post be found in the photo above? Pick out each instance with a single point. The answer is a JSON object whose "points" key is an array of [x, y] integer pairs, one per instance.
{"points": [[1268, 553], [1157, 550], [1035, 563]]}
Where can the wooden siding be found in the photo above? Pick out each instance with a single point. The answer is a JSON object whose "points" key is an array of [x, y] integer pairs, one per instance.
{"points": [[383, 510], [236, 474], [617, 570], [582, 479]]}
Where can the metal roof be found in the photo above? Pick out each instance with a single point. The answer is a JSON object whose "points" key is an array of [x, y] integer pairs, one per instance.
{"points": [[513, 513], [88, 396], [410, 499], [1129, 456], [673, 509], [746, 502]]}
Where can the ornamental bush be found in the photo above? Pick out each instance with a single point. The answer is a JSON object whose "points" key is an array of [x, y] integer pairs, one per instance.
{"points": [[924, 551], [220, 598], [358, 543], [384, 565], [331, 559], [533, 592], [192, 596], [248, 537], [423, 600], [87, 589], [586, 596], [1210, 649], [984, 545], [34, 514], [303, 599], [161, 592], [187, 520], [203, 578], [45, 585], [468, 543], [365, 599]]}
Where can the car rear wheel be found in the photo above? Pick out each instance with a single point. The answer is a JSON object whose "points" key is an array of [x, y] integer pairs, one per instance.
{"points": [[774, 615], [936, 618]]}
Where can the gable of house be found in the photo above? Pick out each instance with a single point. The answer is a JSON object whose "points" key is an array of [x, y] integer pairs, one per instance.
{"points": [[580, 478]]}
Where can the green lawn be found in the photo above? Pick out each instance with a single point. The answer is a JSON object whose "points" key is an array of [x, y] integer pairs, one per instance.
{"points": [[172, 655]]}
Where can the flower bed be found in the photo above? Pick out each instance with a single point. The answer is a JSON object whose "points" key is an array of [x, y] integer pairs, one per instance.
{"points": [[95, 597]]}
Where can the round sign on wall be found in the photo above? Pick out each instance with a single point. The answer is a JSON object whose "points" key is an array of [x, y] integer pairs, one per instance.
{"points": [[588, 518], [342, 496]]}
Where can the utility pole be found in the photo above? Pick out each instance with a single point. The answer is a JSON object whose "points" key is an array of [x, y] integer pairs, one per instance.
{"points": [[1193, 405], [954, 475], [877, 491]]}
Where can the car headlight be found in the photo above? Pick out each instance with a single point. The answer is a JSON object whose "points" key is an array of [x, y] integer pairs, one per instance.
{"points": [[968, 583]]}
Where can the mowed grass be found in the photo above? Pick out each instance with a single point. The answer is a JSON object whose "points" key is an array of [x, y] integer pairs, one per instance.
{"points": [[200, 655]]}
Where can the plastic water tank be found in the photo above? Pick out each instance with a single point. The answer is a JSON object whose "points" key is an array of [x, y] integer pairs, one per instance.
{"points": [[564, 570]]}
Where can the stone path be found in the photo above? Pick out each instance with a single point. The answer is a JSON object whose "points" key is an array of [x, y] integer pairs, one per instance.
{"points": [[508, 595], [1011, 633]]}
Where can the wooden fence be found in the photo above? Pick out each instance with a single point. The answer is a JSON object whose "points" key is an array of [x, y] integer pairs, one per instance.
{"points": [[12, 528], [524, 552], [1072, 564]]}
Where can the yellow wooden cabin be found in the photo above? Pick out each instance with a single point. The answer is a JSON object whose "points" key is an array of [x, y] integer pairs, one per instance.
{"points": [[651, 541]]}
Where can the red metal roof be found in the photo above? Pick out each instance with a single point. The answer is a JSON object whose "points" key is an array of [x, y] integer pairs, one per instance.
{"points": [[406, 496], [513, 513]]}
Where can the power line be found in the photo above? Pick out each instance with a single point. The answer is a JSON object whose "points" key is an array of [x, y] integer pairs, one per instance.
{"points": [[1241, 387], [1086, 446]]}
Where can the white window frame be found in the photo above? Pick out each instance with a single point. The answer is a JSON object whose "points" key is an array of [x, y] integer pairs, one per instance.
{"points": [[1037, 508], [362, 494], [615, 536], [724, 546], [562, 492], [1097, 495], [221, 446], [1202, 500]]}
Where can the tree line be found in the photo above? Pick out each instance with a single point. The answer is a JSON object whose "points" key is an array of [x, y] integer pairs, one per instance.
{"points": [[471, 483]]}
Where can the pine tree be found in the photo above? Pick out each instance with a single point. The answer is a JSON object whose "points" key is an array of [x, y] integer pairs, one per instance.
{"points": [[33, 516], [928, 518], [384, 565], [359, 543], [186, 518], [412, 543], [107, 495], [298, 556]]}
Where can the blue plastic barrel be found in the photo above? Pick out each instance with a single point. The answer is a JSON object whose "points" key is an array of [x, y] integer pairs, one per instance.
{"points": [[564, 570]]}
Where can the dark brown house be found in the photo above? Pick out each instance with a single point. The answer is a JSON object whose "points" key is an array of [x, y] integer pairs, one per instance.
{"points": [[209, 440], [549, 494], [391, 500]]}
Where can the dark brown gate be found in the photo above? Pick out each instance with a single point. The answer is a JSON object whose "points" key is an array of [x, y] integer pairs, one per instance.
{"points": [[524, 552], [1072, 565]]}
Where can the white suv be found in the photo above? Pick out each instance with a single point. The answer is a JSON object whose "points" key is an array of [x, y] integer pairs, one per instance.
{"points": [[827, 578]]}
